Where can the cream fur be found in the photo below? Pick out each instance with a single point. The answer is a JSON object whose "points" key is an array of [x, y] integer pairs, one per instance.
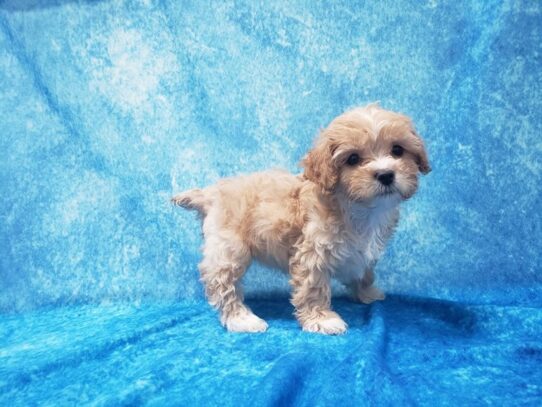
{"points": [[332, 221]]}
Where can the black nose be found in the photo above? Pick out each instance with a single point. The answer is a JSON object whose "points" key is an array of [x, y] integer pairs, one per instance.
{"points": [[385, 178]]}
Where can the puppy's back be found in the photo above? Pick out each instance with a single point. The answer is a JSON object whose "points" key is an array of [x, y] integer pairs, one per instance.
{"points": [[260, 209], [255, 197]]}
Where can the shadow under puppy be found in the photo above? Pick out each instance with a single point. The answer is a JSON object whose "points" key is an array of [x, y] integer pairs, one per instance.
{"points": [[331, 221]]}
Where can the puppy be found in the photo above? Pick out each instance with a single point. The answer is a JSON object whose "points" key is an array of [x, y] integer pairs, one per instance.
{"points": [[331, 221]]}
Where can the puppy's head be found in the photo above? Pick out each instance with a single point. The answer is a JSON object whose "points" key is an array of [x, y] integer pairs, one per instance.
{"points": [[368, 153]]}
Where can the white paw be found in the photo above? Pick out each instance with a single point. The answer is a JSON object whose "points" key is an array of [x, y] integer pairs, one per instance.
{"points": [[371, 294], [331, 325], [246, 322]]}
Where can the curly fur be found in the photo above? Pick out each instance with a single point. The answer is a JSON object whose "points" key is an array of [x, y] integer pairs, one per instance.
{"points": [[332, 221]]}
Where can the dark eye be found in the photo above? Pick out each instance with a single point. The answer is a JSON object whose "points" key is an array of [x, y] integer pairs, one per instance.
{"points": [[397, 150], [353, 159]]}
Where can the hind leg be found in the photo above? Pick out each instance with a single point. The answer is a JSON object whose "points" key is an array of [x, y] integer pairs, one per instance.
{"points": [[225, 260]]}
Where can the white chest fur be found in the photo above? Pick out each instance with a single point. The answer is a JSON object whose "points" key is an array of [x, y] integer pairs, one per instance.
{"points": [[366, 231]]}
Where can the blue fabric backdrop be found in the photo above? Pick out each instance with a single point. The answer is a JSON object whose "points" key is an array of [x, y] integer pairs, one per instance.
{"points": [[109, 107]]}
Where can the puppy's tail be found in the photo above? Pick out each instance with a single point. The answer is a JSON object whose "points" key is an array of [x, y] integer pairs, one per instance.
{"points": [[192, 199]]}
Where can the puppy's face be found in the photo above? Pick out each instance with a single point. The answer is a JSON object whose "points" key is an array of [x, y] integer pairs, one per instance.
{"points": [[368, 153]]}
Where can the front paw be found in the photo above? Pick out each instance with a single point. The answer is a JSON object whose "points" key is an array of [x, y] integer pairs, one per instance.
{"points": [[370, 294], [245, 322], [329, 324]]}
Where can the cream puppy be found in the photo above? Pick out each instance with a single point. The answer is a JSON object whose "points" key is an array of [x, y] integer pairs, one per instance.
{"points": [[331, 221]]}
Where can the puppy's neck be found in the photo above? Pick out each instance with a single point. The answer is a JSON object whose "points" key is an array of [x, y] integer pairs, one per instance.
{"points": [[364, 217]]}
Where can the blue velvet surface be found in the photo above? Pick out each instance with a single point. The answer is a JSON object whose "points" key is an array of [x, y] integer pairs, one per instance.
{"points": [[109, 107], [405, 351]]}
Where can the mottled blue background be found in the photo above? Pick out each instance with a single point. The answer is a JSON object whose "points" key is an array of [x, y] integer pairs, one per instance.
{"points": [[109, 107]]}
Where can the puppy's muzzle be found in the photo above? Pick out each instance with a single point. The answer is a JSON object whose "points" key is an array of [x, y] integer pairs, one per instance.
{"points": [[385, 178]]}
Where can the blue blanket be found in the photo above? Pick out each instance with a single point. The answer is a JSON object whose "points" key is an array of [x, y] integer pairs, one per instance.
{"points": [[108, 107], [404, 351]]}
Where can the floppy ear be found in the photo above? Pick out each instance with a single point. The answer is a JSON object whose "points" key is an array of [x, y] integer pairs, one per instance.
{"points": [[421, 154], [319, 165]]}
